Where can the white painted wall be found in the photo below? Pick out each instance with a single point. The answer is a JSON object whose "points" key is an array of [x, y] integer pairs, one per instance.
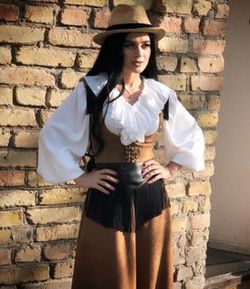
{"points": [[230, 215]]}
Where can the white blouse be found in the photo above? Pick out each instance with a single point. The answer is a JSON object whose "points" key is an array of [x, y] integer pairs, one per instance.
{"points": [[64, 139]]}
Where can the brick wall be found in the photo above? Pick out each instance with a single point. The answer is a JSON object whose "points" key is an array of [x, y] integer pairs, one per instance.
{"points": [[45, 48]]}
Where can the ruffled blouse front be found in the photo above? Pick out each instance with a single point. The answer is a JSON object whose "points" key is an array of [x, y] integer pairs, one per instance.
{"points": [[65, 137], [133, 122]]}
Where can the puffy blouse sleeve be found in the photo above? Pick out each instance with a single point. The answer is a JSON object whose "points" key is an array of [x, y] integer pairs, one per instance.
{"points": [[64, 139], [183, 138]]}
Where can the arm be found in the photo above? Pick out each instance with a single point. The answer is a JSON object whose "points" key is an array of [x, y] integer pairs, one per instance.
{"points": [[183, 138], [184, 144], [153, 171], [64, 139]]}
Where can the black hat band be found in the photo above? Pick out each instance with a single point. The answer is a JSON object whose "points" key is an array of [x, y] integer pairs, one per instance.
{"points": [[128, 26]]}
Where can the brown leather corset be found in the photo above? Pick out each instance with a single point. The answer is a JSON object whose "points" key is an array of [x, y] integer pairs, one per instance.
{"points": [[114, 151]]}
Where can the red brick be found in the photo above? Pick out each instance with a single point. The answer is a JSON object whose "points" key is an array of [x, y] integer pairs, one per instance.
{"points": [[213, 103], [44, 1], [70, 78], [72, 37], [160, 6], [179, 224], [175, 208], [25, 273], [13, 198], [9, 12], [208, 46], [21, 34], [26, 75], [61, 196], [211, 64], [175, 45], [177, 6], [199, 188], [202, 7], [95, 3], [101, 19], [184, 273], [44, 116], [39, 56], [28, 254], [11, 178], [207, 173], [39, 14], [171, 24], [210, 153], [191, 25], [51, 284], [193, 256], [207, 119], [206, 82], [214, 28], [190, 206], [26, 139], [71, 16], [5, 237], [176, 82], [87, 59], [30, 96], [192, 101], [188, 65], [57, 252], [17, 158], [210, 137], [5, 96], [206, 205], [5, 55], [56, 96], [222, 11], [167, 63], [57, 232], [17, 117], [5, 256], [54, 215], [11, 218], [63, 270], [35, 180], [175, 190], [4, 137], [23, 235], [200, 221]]}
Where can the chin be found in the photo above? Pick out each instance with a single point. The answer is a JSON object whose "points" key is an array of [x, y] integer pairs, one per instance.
{"points": [[134, 69], [138, 69]]}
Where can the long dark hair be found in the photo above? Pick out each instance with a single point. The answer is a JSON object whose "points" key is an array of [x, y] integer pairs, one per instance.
{"points": [[110, 61]]}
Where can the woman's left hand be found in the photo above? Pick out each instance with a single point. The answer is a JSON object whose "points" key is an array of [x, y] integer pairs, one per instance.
{"points": [[153, 171]]}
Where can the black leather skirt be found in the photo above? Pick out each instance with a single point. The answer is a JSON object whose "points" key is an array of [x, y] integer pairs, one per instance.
{"points": [[133, 203]]}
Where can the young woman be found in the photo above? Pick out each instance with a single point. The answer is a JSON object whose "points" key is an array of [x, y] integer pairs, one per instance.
{"points": [[125, 233]]}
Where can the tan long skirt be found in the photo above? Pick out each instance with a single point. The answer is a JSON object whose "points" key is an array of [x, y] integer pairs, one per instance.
{"points": [[111, 259]]}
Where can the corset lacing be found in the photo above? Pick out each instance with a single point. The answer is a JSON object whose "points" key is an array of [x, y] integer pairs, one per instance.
{"points": [[132, 152]]}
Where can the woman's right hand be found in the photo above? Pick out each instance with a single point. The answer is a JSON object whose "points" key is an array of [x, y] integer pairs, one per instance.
{"points": [[98, 180]]}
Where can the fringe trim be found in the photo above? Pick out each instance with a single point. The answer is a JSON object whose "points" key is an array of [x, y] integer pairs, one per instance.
{"points": [[129, 207]]}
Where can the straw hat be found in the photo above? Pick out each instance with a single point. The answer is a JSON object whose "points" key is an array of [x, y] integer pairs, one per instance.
{"points": [[125, 18]]}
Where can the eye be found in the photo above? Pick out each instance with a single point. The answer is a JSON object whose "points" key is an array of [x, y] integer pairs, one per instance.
{"points": [[132, 45], [146, 45], [128, 45]]}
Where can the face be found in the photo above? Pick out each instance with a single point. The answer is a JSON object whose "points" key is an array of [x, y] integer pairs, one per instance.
{"points": [[137, 52]]}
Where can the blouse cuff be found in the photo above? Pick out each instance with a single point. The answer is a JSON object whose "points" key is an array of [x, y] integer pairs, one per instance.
{"points": [[189, 162]]}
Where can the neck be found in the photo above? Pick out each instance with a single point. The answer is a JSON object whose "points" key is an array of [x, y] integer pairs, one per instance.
{"points": [[131, 79]]}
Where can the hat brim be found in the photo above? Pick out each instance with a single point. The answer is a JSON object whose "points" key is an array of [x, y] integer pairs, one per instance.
{"points": [[157, 31]]}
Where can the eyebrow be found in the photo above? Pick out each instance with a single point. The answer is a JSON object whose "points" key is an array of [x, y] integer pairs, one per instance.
{"points": [[131, 41]]}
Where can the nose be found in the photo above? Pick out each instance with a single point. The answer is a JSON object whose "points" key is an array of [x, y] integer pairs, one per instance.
{"points": [[138, 51]]}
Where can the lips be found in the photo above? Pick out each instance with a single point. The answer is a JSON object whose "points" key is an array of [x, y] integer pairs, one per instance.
{"points": [[137, 63]]}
